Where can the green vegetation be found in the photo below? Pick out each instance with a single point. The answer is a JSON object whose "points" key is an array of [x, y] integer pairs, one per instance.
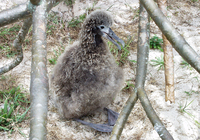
{"points": [[69, 2], [5, 32], [129, 84], [56, 29], [156, 43], [75, 22], [7, 36], [126, 50], [13, 109], [109, 7], [7, 51], [189, 93], [184, 109], [194, 0], [57, 53], [133, 61], [136, 11], [185, 64], [90, 9], [54, 23], [159, 61], [122, 55], [7, 82]]}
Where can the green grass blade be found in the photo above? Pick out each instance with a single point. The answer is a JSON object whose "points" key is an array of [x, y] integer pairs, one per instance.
{"points": [[21, 118], [5, 109], [3, 128], [10, 112]]}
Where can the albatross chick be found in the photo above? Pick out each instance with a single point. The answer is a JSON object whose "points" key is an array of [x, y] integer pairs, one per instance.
{"points": [[86, 77]]}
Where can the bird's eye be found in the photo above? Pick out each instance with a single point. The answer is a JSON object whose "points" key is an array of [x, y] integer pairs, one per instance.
{"points": [[102, 27]]}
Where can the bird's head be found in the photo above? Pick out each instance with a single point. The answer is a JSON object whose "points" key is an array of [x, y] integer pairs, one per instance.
{"points": [[99, 22]]}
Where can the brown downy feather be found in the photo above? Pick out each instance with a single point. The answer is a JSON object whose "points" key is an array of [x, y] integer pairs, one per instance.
{"points": [[86, 77]]}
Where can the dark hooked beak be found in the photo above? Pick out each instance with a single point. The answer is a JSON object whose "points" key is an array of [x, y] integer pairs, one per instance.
{"points": [[109, 34]]}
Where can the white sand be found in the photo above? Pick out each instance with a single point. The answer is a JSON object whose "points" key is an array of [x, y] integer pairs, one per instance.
{"points": [[185, 16]]}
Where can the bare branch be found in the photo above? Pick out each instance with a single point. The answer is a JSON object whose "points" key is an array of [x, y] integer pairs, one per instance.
{"points": [[18, 47], [16, 13], [39, 80], [142, 60], [12, 15], [168, 59], [122, 119], [142, 48], [169, 70], [157, 124], [21, 11], [177, 41]]}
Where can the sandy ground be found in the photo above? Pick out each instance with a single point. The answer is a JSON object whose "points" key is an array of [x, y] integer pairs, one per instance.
{"points": [[185, 16]]}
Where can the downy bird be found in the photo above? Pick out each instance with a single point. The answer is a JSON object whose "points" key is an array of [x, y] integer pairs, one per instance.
{"points": [[86, 77]]}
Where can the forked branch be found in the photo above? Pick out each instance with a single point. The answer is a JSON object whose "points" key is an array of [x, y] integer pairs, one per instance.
{"points": [[142, 61], [18, 47], [14, 14]]}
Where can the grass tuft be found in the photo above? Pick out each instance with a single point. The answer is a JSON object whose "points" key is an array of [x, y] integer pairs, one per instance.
{"points": [[54, 23], [7, 36], [184, 109], [122, 55], [13, 109], [156, 43], [69, 2], [76, 22], [185, 64], [129, 86], [159, 61], [93, 8]]}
